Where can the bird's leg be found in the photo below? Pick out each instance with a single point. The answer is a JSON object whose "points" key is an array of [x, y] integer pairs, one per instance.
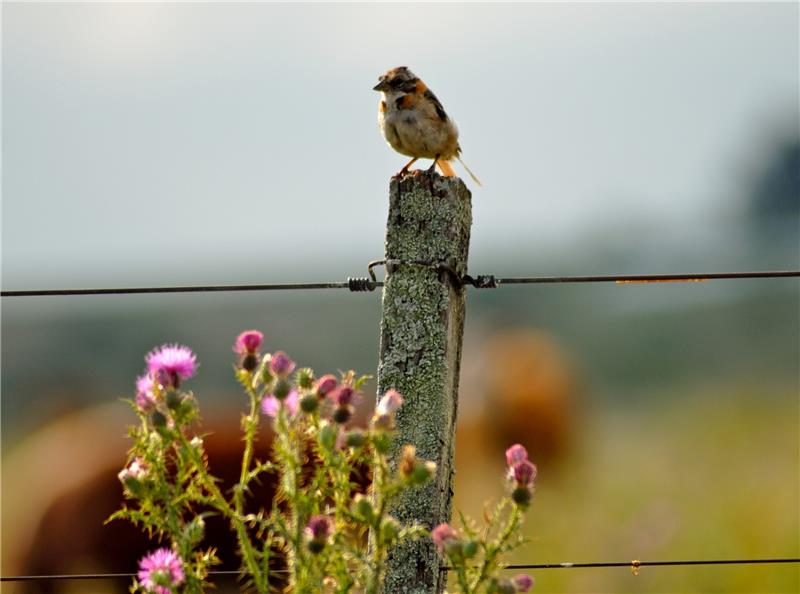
{"points": [[404, 170], [433, 166]]}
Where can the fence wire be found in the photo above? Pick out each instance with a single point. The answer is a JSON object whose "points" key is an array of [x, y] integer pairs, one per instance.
{"points": [[635, 565], [369, 284]]}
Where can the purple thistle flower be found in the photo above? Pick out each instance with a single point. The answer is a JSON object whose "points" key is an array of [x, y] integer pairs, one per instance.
{"points": [[522, 582], [343, 395], [281, 365], [318, 530], [319, 527], [385, 410], [248, 342], [145, 396], [136, 470], [389, 403], [443, 535], [523, 472], [161, 571], [171, 363], [325, 385], [270, 405], [515, 454]]}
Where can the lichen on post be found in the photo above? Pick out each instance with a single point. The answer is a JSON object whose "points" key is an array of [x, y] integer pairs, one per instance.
{"points": [[421, 332]]}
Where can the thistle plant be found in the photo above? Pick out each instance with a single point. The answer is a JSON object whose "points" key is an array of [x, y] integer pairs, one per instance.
{"points": [[475, 554], [332, 532]]}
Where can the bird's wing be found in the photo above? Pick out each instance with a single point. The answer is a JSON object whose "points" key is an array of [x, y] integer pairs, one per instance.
{"points": [[428, 94]]}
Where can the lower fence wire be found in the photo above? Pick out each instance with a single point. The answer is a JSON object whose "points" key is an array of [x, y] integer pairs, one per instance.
{"points": [[634, 565], [637, 563]]}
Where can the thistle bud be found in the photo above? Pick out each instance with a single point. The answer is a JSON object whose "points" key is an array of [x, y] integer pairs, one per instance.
{"points": [[413, 470], [248, 342], [515, 454], [195, 530], [446, 539], [325, 385], [523, 473], [281, 389], [389, 403], [305, 378], [145, 393], [469, 549], [343, 395], [249, 362], [408, 460], [342, 414], [356, 438], [266, 374], [385, 410], [362, 508], [133, 487], [132, 477], [309, 403], [159, 420], [522, 496], [382, 442], [174, 400], [281, 365], [390, 529], [423, 471], [522, 582], [318, 530]]}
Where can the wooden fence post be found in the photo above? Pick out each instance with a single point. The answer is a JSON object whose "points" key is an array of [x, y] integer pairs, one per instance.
{"points": [[420, 352]]}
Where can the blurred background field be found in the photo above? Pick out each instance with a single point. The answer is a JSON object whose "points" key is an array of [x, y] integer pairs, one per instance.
{"points": [[162, 144]]}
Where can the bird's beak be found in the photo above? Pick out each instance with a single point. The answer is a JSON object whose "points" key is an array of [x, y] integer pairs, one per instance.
{"points": [[381, 86]]}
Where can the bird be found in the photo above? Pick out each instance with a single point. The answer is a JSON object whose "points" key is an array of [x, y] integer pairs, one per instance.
{"points": [[414, 123]]}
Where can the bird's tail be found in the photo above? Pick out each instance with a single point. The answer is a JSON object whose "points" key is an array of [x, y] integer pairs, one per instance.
{"points": [[446, 169], [472, 175]]}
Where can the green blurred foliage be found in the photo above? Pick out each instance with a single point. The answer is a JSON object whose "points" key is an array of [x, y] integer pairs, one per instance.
{"points": [[706, 473]]}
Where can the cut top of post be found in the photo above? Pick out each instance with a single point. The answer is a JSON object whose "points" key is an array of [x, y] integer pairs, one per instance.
{"points": [[429, 219]]}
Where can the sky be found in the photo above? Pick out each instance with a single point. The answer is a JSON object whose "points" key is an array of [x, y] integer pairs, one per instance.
{"points": [[211, 143]]}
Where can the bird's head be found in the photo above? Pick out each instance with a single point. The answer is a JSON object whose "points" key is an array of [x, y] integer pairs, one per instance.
{"points": [[399, 79]]}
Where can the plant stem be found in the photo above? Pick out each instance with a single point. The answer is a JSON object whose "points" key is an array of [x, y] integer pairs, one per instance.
{"points": [[492, 551], [249, 555], [463, 581], [251, 427], [289, 450], [374, 573], [248, 551]]}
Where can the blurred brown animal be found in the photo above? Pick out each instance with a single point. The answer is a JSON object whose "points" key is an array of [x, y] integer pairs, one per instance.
{"points": [[69, 535], [518, 386]]}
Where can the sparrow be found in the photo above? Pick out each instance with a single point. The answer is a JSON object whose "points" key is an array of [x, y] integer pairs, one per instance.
{"points": [[414, 123]]}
